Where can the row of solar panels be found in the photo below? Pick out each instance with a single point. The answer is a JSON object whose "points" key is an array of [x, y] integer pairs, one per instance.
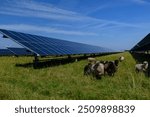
{"points": [[143, 45], [15, 51], [45, 46]]}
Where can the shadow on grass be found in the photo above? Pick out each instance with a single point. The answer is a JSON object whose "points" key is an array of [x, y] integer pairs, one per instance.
{"points": [[56, 62], [26, 65], [46, 63], [140, 57]]}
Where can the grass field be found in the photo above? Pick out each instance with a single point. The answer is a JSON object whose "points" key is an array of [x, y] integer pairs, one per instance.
{"points": [[68, 82]]}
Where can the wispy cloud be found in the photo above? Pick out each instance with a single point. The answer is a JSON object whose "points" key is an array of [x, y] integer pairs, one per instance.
{"points": [[93, 10], [33, 28], [48, 11], [141, 1], [35, 9], [106, 24]]}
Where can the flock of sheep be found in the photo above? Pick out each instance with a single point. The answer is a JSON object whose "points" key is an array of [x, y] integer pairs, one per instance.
{"points": [[100, 68]]}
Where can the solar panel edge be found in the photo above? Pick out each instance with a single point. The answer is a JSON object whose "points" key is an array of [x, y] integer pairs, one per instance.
{"points": [[16, 41], [6, 52], [11, 51], [20, 51]]}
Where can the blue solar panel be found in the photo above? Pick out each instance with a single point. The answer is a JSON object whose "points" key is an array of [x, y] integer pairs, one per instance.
{"points": [[44, 46], [143, 45], [5, 52], [20, 51]]}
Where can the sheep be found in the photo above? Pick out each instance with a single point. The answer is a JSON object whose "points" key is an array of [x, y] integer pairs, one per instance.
{"points": [[91, 60], [87, 69], [121, 58], [116, 62], [98, 70], [141, 67], [111, 67]]}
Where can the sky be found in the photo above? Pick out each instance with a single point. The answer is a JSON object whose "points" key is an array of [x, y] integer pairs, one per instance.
{"points": [[115, 24]]}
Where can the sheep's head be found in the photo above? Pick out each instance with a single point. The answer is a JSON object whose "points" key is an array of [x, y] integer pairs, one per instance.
{"points": [[145, 62], [91, 60], [116, 62], [145, 65]]}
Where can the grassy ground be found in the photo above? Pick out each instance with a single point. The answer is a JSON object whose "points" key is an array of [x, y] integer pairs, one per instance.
{"points": [[68, 82]]}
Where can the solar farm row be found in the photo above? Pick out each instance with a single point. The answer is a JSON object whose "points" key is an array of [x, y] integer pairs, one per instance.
{"points": [[45, 46]]}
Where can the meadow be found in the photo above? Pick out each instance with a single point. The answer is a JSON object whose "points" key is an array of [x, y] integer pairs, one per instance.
{"points": [[67, 82]]}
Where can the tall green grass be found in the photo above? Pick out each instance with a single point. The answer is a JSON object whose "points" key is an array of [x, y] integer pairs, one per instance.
{"points": [[68, 82]]}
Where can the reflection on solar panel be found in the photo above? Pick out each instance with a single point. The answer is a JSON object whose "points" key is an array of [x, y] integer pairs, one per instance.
{"points": [[20, 51], [5, 52], [44, 46], [143, 45]]}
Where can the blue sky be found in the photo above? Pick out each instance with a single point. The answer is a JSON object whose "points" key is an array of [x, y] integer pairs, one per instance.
{"points": [[115, 24]]}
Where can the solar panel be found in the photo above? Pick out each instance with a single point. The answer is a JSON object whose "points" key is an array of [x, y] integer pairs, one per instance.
{"points": [[6, 52], [20, 51], [143, 45], [45, 46]]}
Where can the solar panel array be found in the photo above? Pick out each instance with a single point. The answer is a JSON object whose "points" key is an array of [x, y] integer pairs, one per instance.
{"points": [[143, 45], [20, 51], [44, 46], [6, 52]]}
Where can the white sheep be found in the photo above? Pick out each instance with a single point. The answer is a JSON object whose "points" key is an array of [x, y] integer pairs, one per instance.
{"points": [[98, 70], [141, 67], [121, 58]]}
